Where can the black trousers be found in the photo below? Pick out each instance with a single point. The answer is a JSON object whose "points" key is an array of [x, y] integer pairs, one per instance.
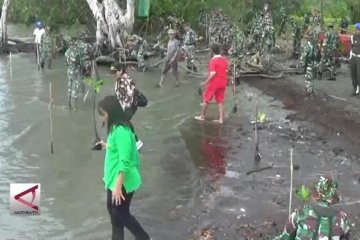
{"points": [[120, 217], [355, 71]]}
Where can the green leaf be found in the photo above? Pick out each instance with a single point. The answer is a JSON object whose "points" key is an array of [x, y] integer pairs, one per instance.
{"points": [[260, 117], [303, 193]]}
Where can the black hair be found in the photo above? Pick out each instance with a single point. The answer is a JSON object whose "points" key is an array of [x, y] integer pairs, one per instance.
{"points": [[120, 67], [116, 115], [215, 49]]}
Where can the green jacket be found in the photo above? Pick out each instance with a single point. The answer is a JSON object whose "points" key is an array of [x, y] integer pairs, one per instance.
{"points": [[122, 156]]}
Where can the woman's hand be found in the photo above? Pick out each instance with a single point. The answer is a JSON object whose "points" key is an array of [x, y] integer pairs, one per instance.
{"points": [[102, 143], [117, 194]]}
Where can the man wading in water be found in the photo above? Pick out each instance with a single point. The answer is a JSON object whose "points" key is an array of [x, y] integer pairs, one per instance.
{"points": [[215, 84], [171, 60], [38, 33]]}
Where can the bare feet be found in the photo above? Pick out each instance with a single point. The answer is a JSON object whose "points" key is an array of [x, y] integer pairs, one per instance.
{"points": [[200, 118], [218, 121]]}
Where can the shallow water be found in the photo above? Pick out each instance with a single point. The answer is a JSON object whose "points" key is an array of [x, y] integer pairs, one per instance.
{"points": [[73, 196]]}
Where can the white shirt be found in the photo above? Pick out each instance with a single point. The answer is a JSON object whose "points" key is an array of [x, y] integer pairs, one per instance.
{"points": [[38, 33]]}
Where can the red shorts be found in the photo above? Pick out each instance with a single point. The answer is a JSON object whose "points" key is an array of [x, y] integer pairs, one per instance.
{"points": [[219, 93]]}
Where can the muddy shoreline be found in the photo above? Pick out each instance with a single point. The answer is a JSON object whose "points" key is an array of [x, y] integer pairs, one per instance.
{"points": [[324, 133]]}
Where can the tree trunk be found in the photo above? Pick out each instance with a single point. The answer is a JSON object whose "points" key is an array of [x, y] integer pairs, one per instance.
{"points": [[112, 22], [3, 27]]}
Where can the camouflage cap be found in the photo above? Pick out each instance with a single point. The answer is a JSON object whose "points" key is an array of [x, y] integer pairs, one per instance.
{"points": [[326, 189]]}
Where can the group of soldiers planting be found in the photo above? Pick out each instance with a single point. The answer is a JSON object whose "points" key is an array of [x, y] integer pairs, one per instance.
{"points": [[315, 57]]}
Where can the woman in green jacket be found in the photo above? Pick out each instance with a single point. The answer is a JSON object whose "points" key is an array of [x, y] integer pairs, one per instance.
{"points": [[121, 169]]}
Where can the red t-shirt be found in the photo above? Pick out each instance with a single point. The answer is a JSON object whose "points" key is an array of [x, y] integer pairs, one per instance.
{"points": [[218, 64]]}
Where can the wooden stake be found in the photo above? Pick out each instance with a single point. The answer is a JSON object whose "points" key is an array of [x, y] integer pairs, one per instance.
{"points": [[10, 64], [291, 180], [51, 122]]}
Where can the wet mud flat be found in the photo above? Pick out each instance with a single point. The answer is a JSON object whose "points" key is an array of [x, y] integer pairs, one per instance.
{"points": [[324, 134]]}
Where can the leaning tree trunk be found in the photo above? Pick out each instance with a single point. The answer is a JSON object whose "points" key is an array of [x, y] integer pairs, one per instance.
{"points": [[112, 22], [3, 28]]}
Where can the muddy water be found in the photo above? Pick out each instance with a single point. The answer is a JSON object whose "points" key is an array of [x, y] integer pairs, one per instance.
{"points": [[73, 196]]}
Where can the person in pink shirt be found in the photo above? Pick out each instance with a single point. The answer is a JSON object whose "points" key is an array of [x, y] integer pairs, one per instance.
{"points": [[215, 83]]}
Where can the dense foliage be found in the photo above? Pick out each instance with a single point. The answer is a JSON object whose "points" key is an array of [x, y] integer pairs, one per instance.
{"points": [[69, 12]]}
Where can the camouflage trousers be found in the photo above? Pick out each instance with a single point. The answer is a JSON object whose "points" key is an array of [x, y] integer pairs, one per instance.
{"points": [[310, 76], [189, 55], [296, 46], [74, 87], [140, 57], [327, 64], [269, 40], [282, 29], [46, 56]]}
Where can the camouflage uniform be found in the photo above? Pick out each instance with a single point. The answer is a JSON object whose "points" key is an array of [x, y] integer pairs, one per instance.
{"points": [[320, 220], [188, 46], [219, 28], [329, 52], [141, 52], [297, 34], [310, 59], [284, 20], [237, 51], [317, 19], [257, 30], [267, 30], [85, 51], [74, 72], [344, 24], [46, 47], [306, 21]]}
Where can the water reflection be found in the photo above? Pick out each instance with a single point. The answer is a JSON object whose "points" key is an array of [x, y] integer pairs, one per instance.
{"points": [[207, 148]]}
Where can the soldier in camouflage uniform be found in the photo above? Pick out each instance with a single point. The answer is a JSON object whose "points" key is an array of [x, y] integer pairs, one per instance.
{"points": [[219, 28], [267, 28], [237, 52], [297, 36], [318, 220], [189, 46], [46, 48], [344, 24], [256, 30], [306, 22], [284, 20], [310, 59], [85, 51], [317, 18], [74, 73], [329, 52], [141, 53]]}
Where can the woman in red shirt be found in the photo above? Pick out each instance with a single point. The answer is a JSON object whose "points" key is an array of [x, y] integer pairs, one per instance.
{"points": [[215, 84]]}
